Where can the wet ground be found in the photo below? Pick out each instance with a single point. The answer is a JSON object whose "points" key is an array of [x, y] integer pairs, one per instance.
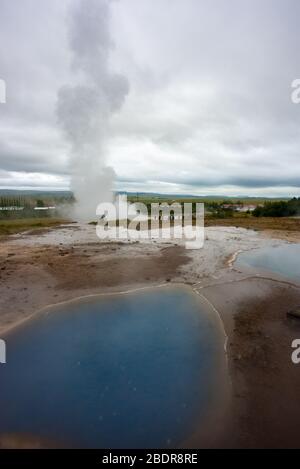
{"points": [[70, 262]]}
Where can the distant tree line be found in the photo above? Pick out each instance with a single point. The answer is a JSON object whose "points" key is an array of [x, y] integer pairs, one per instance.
{"points": [[279, 209], [13, 202], [28, 202]]}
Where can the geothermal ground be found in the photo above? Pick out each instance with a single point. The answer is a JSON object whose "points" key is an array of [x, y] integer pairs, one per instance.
{"points": [[66, 262]]}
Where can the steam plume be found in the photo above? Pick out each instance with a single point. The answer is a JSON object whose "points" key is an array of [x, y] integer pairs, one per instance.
{"points": [[84, 107]]}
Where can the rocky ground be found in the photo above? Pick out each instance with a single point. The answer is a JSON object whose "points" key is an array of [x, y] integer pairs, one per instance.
{"points": [[48, 267]]}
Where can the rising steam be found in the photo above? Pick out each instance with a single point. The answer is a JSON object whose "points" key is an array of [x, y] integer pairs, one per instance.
{"points": [[84, 107]]}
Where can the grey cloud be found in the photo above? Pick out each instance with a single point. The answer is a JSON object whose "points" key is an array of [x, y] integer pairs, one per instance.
{"points": [[34, 161], [209, 103]]}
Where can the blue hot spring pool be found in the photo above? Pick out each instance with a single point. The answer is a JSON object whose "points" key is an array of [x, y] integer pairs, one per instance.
{"points": [[282, 260], [137, 370]]}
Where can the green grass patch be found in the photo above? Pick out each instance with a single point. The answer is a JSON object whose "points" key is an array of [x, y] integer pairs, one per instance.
{"points": [[8, 227]]}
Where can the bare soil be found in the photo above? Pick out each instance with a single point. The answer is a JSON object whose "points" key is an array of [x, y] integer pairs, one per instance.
{"points": [[36, 271]]}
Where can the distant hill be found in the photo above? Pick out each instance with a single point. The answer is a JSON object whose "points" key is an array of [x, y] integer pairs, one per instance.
{"points": [[143, 195], [34, 193], [244, 198]]}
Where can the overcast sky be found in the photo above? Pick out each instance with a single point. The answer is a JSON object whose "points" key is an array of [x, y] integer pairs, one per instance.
{"points": [[209, 109]]}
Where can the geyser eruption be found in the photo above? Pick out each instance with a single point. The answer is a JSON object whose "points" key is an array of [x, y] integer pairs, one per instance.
{"points": [[85, 106]]}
